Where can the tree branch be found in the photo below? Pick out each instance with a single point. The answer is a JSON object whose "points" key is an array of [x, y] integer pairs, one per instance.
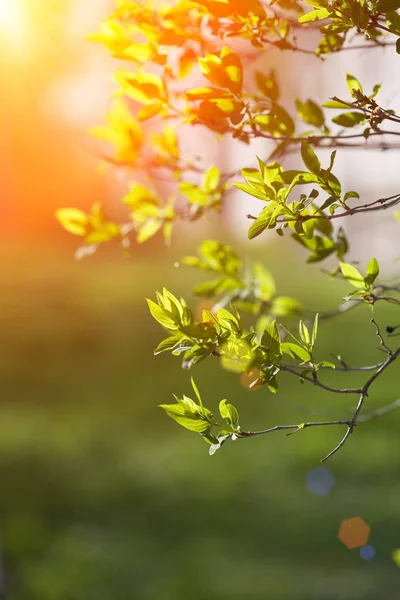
{"points": [[380, 204], [364, 393], [316, 382], [296, 427]]}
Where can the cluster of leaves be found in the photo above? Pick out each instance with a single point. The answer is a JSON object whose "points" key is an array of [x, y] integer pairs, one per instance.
{"points": [[252, 291], [365, 291], [272, 185], [221, 333], [163, 45], [198, 418], [369, 18], [209, 41]]}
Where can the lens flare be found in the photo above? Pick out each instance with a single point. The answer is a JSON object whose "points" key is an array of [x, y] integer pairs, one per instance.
{"points": [[11, 20]]}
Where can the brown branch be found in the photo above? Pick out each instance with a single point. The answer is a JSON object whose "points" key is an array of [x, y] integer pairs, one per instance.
{"points": [[364, 393], [296, 427], [289, 369], [314, 138], [380, 204], [379, 334]]}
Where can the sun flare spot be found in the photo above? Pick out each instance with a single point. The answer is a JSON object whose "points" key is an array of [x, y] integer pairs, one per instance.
{"points": [[11, 19]]}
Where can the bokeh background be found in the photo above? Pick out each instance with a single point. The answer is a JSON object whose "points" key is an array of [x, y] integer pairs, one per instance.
{"points": [[102, 497]]}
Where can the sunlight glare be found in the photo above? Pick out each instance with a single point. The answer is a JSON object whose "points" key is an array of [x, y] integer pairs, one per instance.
{"points": [[11, 19]]}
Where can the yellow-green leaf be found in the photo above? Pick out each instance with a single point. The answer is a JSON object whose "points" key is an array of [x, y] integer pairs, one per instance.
{"points": [[73, 220], [352, 275]]}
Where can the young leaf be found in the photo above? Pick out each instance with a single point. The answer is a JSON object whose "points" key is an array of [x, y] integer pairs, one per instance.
{"points": [[73, 220], [211, 179], [349, 119], [352, 275], [271, 341], [315, 15], [372, 272], [386, 6], [159, 314], [196, 391], [353, 84], [349, 195], [259, 225], [310, 159], [296, 351], [314, 330], [229, 413], [310, 112], [304, 333], [167, 344]]}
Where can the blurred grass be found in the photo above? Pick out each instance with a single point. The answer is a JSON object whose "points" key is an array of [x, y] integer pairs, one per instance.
{"points": [[105, 498]]}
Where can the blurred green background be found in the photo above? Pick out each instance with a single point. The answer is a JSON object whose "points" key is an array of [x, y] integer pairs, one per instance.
{"points": [[103, 497]]}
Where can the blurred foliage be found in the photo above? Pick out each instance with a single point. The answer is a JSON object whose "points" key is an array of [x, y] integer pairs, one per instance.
{"points": [[100, 499]]}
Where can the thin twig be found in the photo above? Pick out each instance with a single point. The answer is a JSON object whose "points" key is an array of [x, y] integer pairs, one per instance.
{"points": [[316, 382], [364, 393], [377, 205], [297, 427], [379, 334]]}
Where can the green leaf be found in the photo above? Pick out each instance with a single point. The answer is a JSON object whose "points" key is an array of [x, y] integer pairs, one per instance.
{"points": [[330, 183], [195, 194], [378, 86], [186, 413], [331, 161], [211, 179], [167, 344], [334, 104], [229, 413], [317, 3], [352, 275], [259, 225], [393, 22], [295, 351], [253, 191], [196, 391], [314, 330], [310, 159], [73, 220], [328, 202], [304, 333], [398, 45], [271, 341], [349, 195], [148, 230], [310, 112], [301, 178], [349, 119], [326, 364], [315, 15], [353, 84], [372, 272], [267, 85], [387, 6], [159, 314]]}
